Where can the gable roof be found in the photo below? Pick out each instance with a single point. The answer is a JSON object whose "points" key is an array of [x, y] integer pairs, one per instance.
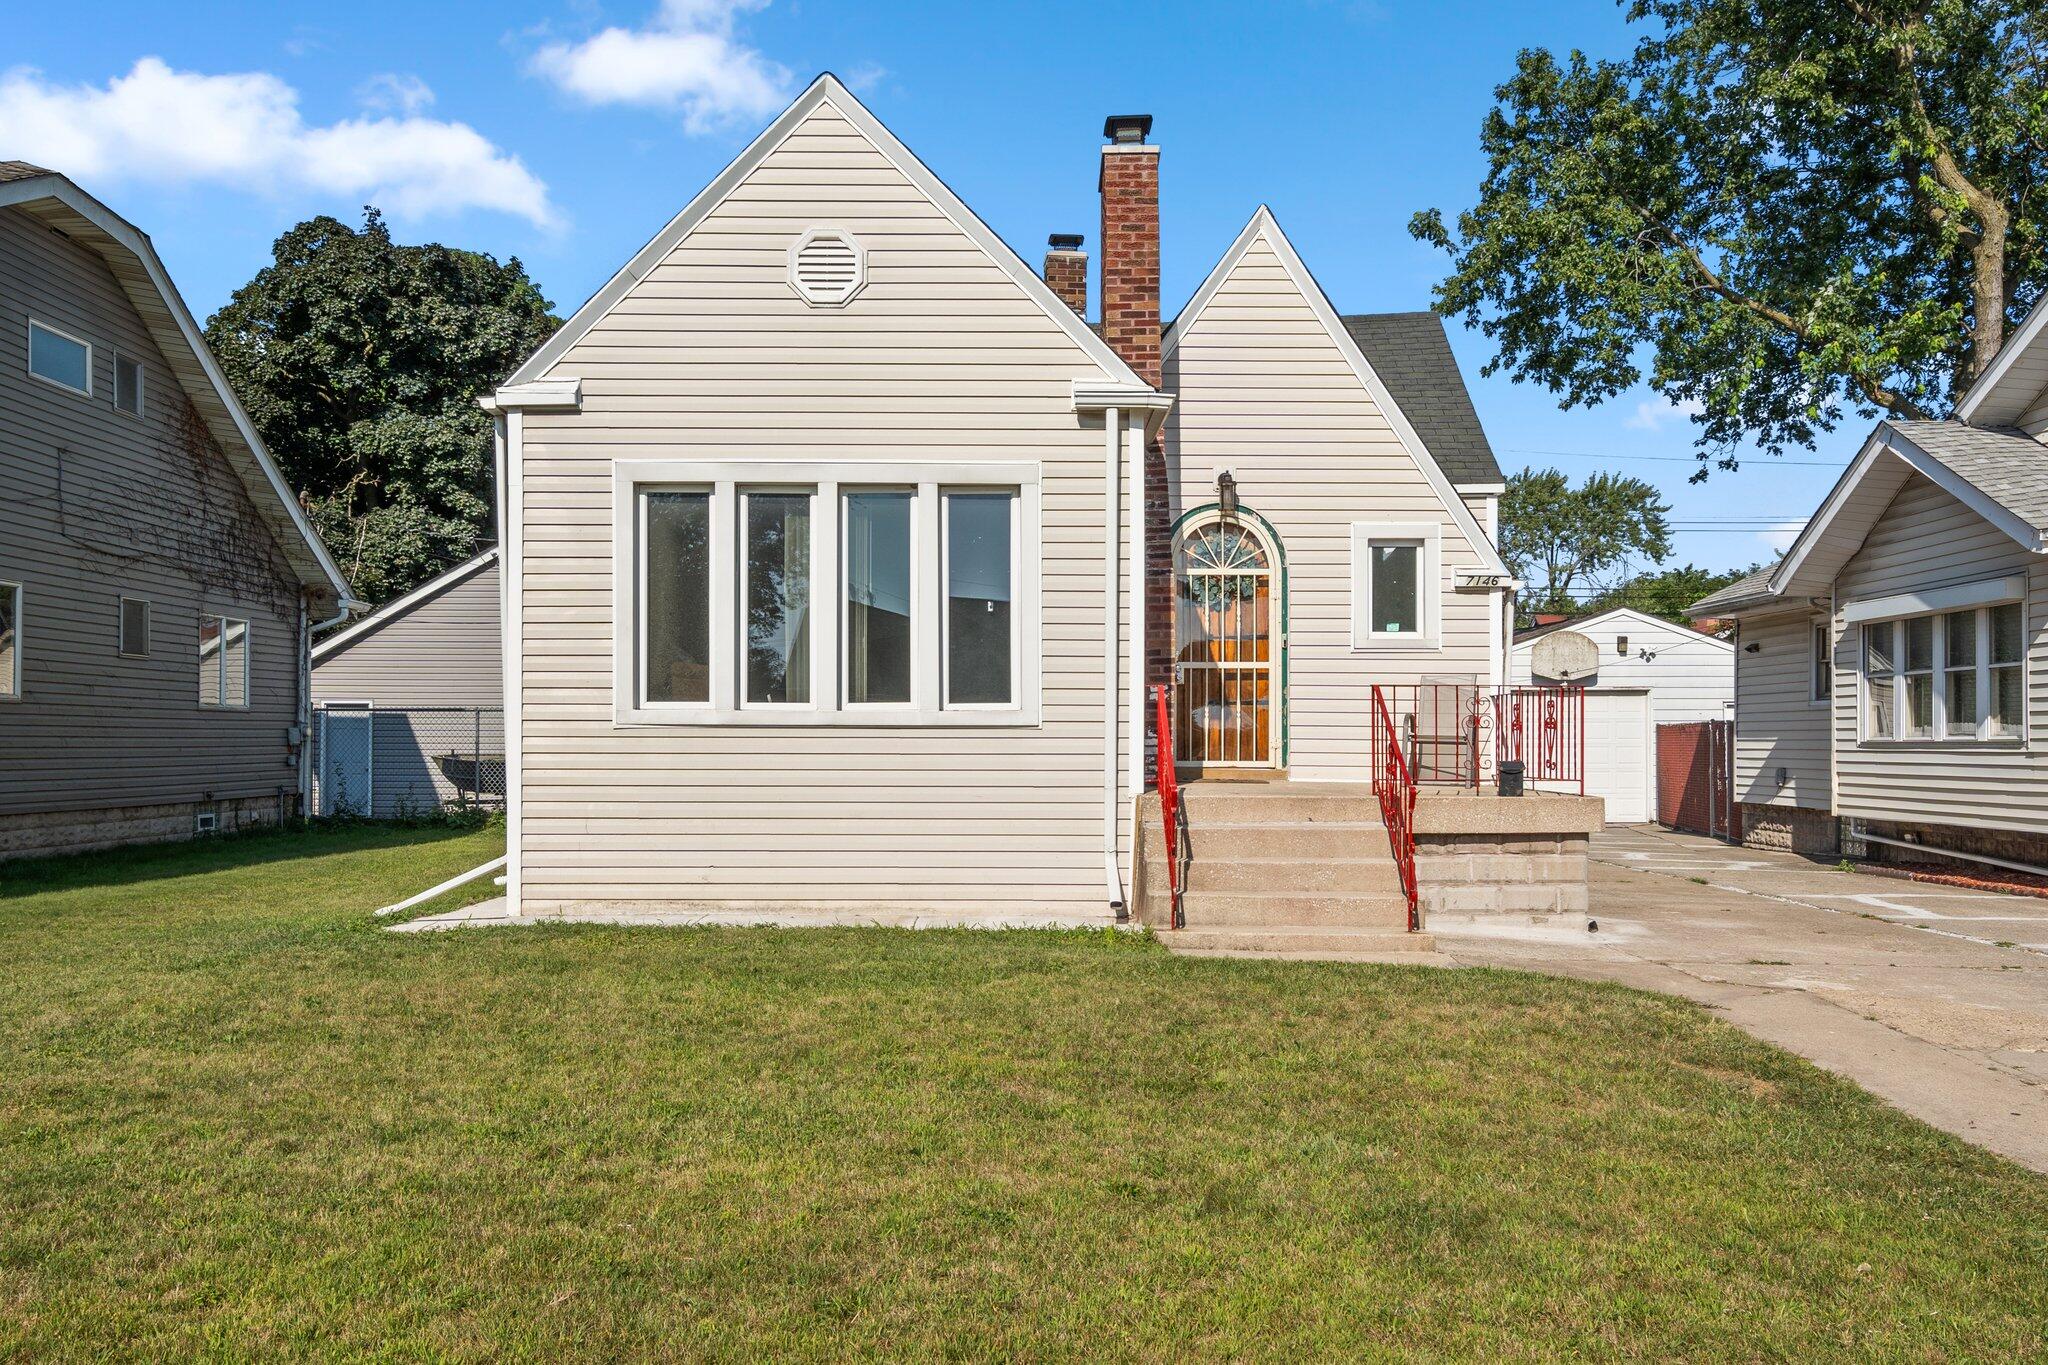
{"points": [[55, 201], [2002, 476], [1753, 589], [1412, 353], [399, 607], [825, 90], [1642, 618], [2006, 388], [1265, 227]]}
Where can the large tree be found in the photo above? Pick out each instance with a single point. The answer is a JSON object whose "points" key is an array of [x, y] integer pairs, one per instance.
{"points": [[1667, 592], [1785, 209], [1563, 542], [360, 361]]}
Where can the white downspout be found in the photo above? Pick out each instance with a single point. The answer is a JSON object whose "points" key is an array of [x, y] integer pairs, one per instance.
{"points": [[1111, 521], [512, 624], [1134, 442]]}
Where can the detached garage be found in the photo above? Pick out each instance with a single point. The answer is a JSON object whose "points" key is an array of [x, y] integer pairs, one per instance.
{"points": [[1639, 672]]}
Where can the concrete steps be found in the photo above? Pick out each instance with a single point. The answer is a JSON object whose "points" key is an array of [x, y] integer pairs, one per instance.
{"points": [[1304, 943], [1385, 911]]}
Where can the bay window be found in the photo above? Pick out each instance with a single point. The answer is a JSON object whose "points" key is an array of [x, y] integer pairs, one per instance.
{"points": [[1946, 676], [826, 593]]}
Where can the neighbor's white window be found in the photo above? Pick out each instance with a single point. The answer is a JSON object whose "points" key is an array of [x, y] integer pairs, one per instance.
{"points": [[134, 641], [10, 642], [1393, 585], [1956, 675], [59, 358], [128, 384], [844, 594], [1822, 666], [223, 661]]}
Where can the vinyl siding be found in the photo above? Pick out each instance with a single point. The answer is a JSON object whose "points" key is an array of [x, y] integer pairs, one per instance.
{"points": [[95, 505], [443, 652], [1928, 539], [1777, 724], [1264, 391], [1691, 677], [2034, 421], [942, 358]]}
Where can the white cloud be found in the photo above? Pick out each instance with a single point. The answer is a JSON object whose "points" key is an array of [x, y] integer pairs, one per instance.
{"points": [[244, 130], [686, 58], [1652, 414]]}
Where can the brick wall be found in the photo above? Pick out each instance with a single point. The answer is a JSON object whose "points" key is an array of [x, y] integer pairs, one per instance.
{"points": [[1791, 827], [1067, 273]]}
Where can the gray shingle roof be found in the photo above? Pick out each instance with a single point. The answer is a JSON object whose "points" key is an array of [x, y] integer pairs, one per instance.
{"points": [[2007, 466], [1751, 590], [1412, 356], [19, 170]]}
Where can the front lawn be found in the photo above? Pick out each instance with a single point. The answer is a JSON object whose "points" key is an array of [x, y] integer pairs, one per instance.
{"points": [[238, 1120]]}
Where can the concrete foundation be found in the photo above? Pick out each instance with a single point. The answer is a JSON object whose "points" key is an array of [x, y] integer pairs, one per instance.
{"points": [[37, 833], [1793, 829], [1483, 856], [2012, 845]]}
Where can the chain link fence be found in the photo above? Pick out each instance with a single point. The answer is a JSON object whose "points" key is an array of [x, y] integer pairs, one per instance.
{"points": [[392, 763]]}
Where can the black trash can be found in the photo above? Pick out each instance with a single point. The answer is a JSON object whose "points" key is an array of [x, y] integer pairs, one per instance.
{"points": [[1511, 777]]}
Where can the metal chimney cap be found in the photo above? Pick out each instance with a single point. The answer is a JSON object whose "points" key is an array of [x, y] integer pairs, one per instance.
{"points": [[1127, 128], [1064, 241]]}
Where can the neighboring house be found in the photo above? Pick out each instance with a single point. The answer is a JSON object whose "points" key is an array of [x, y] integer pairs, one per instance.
{"points": [[1647, 673], [824, 584], [409, 700], [158, 582], [1892, 668]]}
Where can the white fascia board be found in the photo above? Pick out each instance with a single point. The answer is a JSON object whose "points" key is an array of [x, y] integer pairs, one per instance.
{"points": [[562, 394], [1098, 397], [1992, 379], [1481, 490], [1888, 441], [1952, 597], [826, 90], [136, 244], [399, 606], [1264, 224]]}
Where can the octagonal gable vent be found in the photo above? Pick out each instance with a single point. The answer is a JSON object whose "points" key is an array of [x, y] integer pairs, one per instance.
{"points": [[827, 267]]}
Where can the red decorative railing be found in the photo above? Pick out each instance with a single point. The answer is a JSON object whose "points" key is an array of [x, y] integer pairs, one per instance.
{"points": [[1169, 801], [1545, 728], [1393, 782]]}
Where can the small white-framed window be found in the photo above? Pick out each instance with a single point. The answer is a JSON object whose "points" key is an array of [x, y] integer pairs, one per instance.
{"points": [[127, 384], [1946, 676], [775, 616], [1880, 679], [1821, 665], [880, 609], [675, 596], [134, 628], [1395, 585], [980, 568], [2005, 696], [223, 662], [10, 641], [57, 357]]}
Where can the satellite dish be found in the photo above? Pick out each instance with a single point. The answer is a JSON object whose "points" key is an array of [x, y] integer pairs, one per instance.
{"points": [[1566, 656]]}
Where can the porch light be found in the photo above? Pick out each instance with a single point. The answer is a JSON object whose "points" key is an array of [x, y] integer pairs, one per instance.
{"points": [[1226, 493]]}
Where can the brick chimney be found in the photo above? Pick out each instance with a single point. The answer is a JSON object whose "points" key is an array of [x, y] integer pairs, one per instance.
{"points": [[1130, 243], [1066, 270]]}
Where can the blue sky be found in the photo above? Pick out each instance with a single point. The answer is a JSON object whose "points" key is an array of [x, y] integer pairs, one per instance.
{"points": [[566, 132]]}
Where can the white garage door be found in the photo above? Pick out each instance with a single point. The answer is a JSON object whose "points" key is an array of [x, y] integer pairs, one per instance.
{"points": [[1618, 754]]}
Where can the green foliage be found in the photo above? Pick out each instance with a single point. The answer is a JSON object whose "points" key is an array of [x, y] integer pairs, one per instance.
{"points": [[360, 361], [1791, 208], [1666, 593], [1556, 537]]}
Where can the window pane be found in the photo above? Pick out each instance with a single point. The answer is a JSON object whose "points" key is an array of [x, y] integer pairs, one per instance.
{"points": [[209, 661], [1919, 706], [978, 618], [1877, 649], [2007, 643], [1396, 604], [59, 358], [10, 610], [779, 597], [2008, 701], [134, 626], [1959, 639], [1919, 643], [1962, 703], [127, 385], [678, 597], [1823, 666], [878, 640], [1883, 702], [235, 664]]}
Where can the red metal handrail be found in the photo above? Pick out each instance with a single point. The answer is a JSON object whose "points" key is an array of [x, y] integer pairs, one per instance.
{"points": [[1393, 782], [1545, 728], [1169, 801]]}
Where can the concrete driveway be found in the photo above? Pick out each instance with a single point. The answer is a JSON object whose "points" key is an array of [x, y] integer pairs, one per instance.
{"points": [[1934, 997]]}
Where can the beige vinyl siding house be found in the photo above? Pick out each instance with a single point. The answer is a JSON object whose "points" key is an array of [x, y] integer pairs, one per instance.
{"points": [[1781, 729], [161, 640]]}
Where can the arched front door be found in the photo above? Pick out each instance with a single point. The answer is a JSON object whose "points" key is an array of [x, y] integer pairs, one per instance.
{"points": [[1226, 631]]}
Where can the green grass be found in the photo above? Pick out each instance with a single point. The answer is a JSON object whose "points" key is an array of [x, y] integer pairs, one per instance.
{"points": [[238, 1120]]}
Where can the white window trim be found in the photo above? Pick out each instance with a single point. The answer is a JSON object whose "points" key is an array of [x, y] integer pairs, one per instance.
{"points": [[248, 650], [20, 595], [1820, 658], [141, 386], [37, 324], [1429, 586], [725, 479], [1980, 736], [945, 542], [148, 627]]}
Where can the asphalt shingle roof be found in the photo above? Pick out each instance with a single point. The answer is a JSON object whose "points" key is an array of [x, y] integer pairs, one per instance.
{"points": [[1412, 356], [2007, 466], [1752, 589], [19, 170]]}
